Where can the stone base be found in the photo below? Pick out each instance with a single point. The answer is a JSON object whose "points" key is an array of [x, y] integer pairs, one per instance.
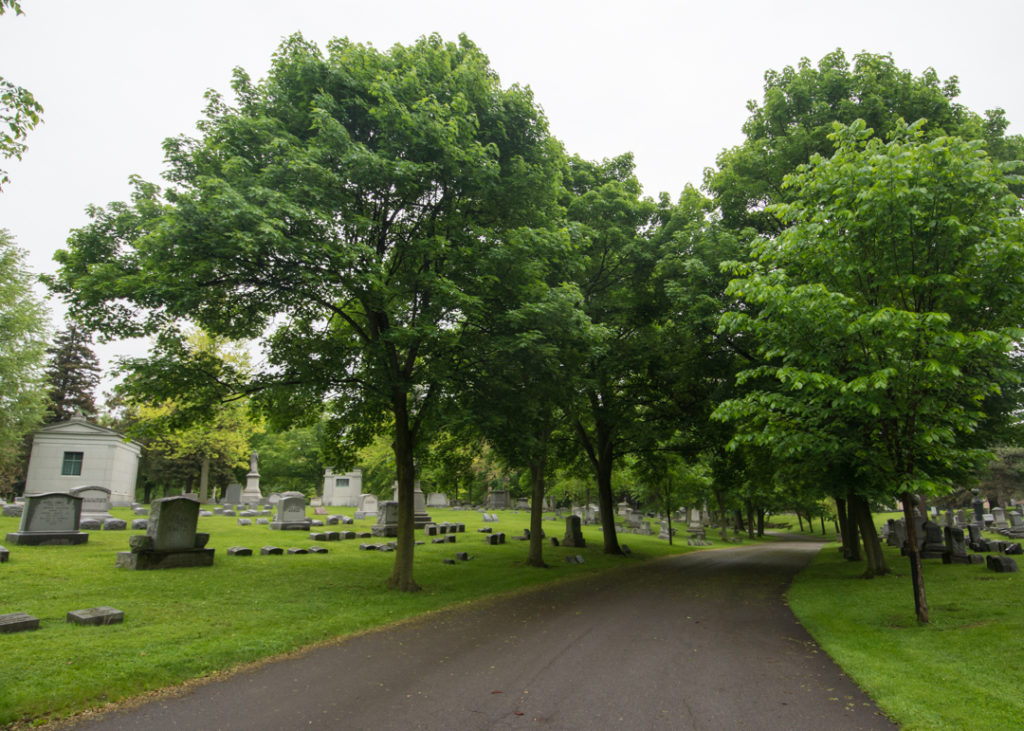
{"points": [[17, 622], [362, 515], [385, 531], [290, 526], [145, 560], [95, 616], [40, 538]]}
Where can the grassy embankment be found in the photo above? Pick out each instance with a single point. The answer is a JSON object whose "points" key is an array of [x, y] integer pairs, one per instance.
{"points": [[961, 671], [189, 623]]}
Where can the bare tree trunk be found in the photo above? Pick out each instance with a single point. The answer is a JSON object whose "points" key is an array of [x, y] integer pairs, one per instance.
{"points": [[853, 546], [605, 456], [872, 547], [843, 530], [914, 554], [800, 520], [401, 575], [536, 555], [760, 524], [750, 519]]}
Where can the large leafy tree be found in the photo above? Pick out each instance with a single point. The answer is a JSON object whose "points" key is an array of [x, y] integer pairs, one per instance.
{"points": [[794, 119], [340, 213], [73, 373], [610, 224], [23, 333], [886, 313]]}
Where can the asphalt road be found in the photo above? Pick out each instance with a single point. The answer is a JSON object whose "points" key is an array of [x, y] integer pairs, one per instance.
{"points": [[701, 641]]}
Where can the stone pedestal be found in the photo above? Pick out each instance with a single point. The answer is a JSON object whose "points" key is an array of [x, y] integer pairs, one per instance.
{"points": [[252, 495]]}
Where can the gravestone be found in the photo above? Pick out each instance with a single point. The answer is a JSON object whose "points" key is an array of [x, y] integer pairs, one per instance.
{"points": [[12, 511], [497, 500], [95, 616], [961, 518], [95, 501], [291, 513], [50, 519], [999, 519], [19, 621], [1001, 564], [171, 540], [437, 500], [419, 505], [367, 507], [573, 535], [239, 551], [251, 495], [1016, 529], [522, 503], [232, 494], [140, 524], [5, 555], [387, 520], [114, 524], [956, 547]]}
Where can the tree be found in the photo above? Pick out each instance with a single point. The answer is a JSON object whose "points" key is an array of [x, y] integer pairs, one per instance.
{"points": [[888, 308], [610, 225], [342, 214], [290, 460], [23, 334], [73, 374], [188, 435], [794, 120], [19, 110]]}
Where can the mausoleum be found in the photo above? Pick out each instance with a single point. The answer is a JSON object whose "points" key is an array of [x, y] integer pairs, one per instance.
{"points": [[76, 452], [342, 490]]}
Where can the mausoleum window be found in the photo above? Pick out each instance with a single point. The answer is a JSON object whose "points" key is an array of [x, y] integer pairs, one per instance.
{"points": [[341, 482], [72, 464]]}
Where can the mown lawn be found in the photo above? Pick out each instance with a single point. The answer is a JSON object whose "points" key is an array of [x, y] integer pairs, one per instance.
{"points": [[961, 671], [188, 623]]}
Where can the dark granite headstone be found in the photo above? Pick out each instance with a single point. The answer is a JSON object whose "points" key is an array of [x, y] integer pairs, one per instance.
{"points": [[5, 555], [573, 535], [271, 551], [316, 549], [171, 540], [1001, 564], [297, 551], [114, 524], [239, 551]]}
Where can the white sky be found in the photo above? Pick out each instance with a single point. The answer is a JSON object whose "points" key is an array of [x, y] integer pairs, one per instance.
{"points": [[666, 80]]}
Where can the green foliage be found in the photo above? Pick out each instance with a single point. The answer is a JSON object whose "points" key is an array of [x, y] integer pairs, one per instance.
{"points": [[794, 120], [73, 374], [19, 110], [886, 311], [290, 460], [23, 334]]}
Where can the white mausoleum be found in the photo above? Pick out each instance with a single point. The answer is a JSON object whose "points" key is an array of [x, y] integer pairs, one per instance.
{"points": [[75, 453], [342, 490]]}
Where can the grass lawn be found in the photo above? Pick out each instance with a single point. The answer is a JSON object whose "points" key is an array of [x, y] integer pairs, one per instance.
{"points": [[195, 622], [962, 671]]}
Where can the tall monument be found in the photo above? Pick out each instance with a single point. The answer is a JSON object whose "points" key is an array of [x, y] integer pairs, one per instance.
{"points": [[252, 495]]}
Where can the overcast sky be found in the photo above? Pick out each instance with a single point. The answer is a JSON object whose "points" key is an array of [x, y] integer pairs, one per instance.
{"points": [[666, 80]]}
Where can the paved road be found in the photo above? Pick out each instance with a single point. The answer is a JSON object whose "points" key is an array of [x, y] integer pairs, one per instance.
{"points": [[701, 641]]}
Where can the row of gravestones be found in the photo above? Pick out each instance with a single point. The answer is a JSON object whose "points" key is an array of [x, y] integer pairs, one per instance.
{"points": [[948, 544]]}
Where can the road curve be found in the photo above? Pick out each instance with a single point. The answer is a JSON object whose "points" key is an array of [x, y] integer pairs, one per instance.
{"points": [[699, 641]]}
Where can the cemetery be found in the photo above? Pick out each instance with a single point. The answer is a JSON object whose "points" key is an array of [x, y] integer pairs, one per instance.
{"points": [[339, 577]]}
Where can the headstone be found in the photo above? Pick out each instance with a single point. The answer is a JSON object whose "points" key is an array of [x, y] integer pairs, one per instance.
{"points": [[295, 551], [419, 505], [114, 524], [1013, 549], [316, 549], [387, 520], [437, 500], [956, 547], [232, 494], [171, 540], [1001, 564], [573, 535], [271, 551], [497, 500], [95, 501], [50, 519], [245, 521], [522, 503], [932, 542], [251, 495], [95, 616], [18, 621], [239, 551], [90, 524], [961, 518], [999, 519], [5, 555], [319, 510], [367, 507], [291, 513]]}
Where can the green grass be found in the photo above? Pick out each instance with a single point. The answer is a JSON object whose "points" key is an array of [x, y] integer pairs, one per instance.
{"points": [[960, 671], [187, 623]]}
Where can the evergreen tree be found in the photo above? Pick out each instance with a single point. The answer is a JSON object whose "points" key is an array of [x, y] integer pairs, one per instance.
{"points": [[73, 374]]}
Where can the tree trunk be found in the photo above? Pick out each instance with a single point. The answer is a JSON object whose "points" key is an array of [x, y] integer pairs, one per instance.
{"points": [[668, 511], [843, 530], [872, 547], [536, 556], [204, 480], [401, 575], [800, 520], [760, 524], [914, 554], [738, 521], [604, 490], [750, 519], [853, 546]]}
